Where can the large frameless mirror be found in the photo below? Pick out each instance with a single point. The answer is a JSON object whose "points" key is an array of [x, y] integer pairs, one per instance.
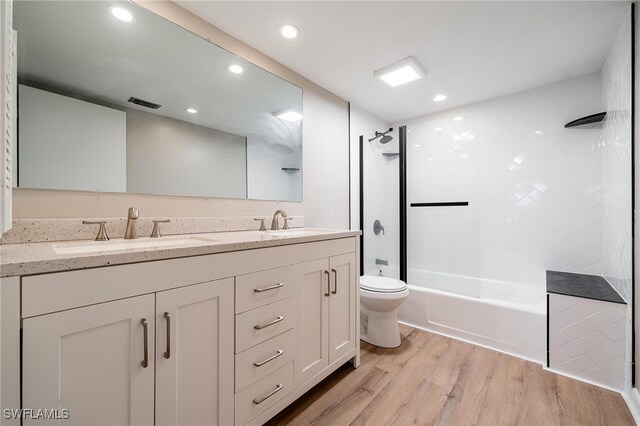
{"points": [[115, 98]]}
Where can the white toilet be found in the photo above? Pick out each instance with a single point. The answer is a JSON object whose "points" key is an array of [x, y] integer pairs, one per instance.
{"points": [[379, 301]]}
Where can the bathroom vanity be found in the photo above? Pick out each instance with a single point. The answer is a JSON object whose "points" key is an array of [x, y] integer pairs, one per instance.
{"points": [[218, 328]]}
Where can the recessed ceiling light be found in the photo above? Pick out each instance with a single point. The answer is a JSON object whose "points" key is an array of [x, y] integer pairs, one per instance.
{"points": [[192, 110], [289, 31], [439, 98], [236, 69], [122, 14], [401, 72], [457, 118], [289, 114]]}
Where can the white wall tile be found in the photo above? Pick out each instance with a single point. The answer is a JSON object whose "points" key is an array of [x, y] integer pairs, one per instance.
{"points": [[587, 339], [381, 191], [534, 187], [616, 164]]}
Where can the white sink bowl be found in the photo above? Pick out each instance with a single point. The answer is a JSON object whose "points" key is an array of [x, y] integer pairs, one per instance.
{"points": [[289, 233], [125, 245]]}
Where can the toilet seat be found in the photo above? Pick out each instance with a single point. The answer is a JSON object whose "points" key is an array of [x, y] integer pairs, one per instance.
{"points": [[382, 284]]}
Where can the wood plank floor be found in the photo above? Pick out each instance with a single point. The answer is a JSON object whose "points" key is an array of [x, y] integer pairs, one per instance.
{"points": [[433, 379]]}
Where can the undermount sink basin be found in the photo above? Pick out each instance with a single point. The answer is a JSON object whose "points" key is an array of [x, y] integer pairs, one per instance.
{"points": [[288, 233], [123, 245]]}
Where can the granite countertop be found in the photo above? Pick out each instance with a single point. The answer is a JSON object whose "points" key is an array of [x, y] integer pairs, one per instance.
{"points": [[38, 258], [581, 285]]}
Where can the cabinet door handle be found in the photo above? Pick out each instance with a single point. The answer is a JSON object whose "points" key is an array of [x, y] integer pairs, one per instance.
{"points": [[328, 283], [335, 281], [271, 358], [269, 395], [273, 287], [167, 354], [145, 328], [275, 321]]}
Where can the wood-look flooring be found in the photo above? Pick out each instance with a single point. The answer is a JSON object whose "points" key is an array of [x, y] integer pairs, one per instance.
{"points": [[431, 379]]}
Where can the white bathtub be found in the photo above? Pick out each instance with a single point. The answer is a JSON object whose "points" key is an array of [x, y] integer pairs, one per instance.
{"points": [[507, 317]]}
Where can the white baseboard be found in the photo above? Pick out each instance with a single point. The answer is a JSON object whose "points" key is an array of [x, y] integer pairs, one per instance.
{"points": [[580, 379], [462, 339]]}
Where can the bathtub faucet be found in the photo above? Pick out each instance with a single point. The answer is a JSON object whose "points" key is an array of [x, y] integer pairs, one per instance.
{"points": [[382, 262]]}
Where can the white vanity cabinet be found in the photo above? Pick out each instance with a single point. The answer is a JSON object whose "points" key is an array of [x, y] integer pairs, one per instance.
{"points": [[99, 361], [89, 361], [194, 354], [228, 338], [326, 301]]}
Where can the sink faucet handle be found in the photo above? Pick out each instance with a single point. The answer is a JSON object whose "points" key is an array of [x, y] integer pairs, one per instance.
{"points": [[133, 213], [102, 231], [262, 226], [286, 222], [156, 230]]}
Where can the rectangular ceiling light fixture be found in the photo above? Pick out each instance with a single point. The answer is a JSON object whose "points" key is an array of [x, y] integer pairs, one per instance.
{"points": [[401, 72], [289, 114]]}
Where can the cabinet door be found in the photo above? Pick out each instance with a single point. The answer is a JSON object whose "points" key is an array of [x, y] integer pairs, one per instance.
{"points": [[312, 319], [342, 306], [195, 354], [90, 361]]}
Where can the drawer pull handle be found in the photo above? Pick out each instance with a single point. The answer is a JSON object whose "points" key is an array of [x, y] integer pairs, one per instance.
{"points": [[167, 354], [335, 281], [271, 358], [273, 287], [269, 395], [275, 321], [328, 283], [145, 328]]}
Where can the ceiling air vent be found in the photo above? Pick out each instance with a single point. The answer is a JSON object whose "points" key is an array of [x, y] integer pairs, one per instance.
{"points": [[144, 103]]}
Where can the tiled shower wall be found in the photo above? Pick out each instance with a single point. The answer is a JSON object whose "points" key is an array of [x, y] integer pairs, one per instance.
{"points": [[616, 164], [381, 196], [534, 187]]}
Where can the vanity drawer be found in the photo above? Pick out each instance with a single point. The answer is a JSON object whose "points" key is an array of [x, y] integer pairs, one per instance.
{"points": [[269, 356], [258, 325], [264, 287], [255, 399]]}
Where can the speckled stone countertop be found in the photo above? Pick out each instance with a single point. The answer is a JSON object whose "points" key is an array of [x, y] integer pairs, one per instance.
{"points": [[38, 258], [580, 285]]}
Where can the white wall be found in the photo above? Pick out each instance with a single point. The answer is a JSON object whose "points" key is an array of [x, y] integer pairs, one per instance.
{"points": [[168, 156], [381, 191], [86, 140], [616, 164], [533, 186]]}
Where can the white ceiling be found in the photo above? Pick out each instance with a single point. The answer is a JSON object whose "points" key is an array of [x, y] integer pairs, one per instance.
{"points": [[471, 50]]}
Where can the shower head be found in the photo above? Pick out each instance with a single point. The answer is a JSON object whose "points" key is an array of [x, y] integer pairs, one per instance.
{"points": [[385, 138]]}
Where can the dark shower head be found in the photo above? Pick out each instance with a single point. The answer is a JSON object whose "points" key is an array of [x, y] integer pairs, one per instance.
{"points": [[385, 138]]}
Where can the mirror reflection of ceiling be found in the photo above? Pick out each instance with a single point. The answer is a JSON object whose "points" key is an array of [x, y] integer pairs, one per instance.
{"points": [[79, 49]]}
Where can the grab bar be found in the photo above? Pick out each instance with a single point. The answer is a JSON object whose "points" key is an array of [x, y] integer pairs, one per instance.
{"points": [[441, 204]]}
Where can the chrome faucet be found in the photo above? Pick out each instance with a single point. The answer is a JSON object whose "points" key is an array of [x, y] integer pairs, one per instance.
{"points": [[132, 233], [274, 223]]}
